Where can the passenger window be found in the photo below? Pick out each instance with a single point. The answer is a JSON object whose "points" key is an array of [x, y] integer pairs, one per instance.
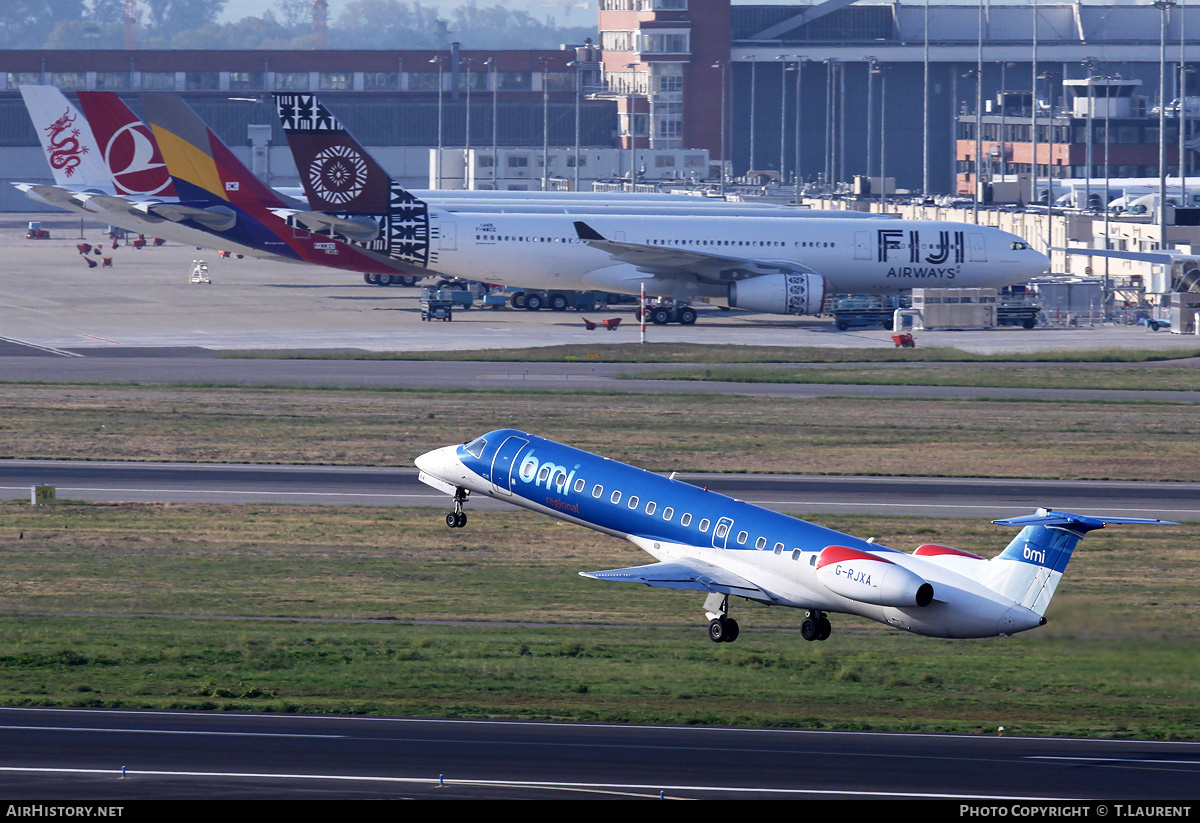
{"points": [[633, 501], [722, 529], [760, 543], [616, 497], [579, 484], [668, 513], [597, 490], [778, 548], [742, 537], [560, 480], [543, 474], [796, 556], [703, 525], [650, 507], [686, 519]]}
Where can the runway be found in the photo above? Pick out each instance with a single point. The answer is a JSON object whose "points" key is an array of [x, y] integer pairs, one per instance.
{"points": [[799, 494], [72, 754]]}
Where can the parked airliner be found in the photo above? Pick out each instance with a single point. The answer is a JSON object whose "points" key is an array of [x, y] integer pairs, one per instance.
{"points": [[767, 264], [704, 541]]}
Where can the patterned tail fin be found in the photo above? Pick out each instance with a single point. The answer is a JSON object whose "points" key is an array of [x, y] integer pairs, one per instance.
{"points": [[342, 179], [71, 148]]}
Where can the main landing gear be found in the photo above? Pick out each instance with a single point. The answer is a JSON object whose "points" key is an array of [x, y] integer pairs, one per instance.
{"points": [[816, 626], [721, 627], [458, 518]]}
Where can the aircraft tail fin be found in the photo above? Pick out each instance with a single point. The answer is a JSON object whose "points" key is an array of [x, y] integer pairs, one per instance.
{"points": [[75, 156], [342, 179], [1028, 570], [130, 152], [337, 173], [204, 169]]}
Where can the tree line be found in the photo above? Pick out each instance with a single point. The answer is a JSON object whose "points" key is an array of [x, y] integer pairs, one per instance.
{"points": [[361, 24]]}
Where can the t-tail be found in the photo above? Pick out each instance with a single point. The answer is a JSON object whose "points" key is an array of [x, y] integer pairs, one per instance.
{"points": [[344, 184], [1028, 570]]}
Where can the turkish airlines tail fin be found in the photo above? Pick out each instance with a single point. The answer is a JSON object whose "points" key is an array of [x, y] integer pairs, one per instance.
{"points": [[1029, 569], [75, 157], [131, 155]]}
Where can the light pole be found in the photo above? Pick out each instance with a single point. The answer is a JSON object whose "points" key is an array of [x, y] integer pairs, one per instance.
{"points": [[545, 125], [925, 107], [783, 68], [882, 139], [494, 79], [632, 90], [575, 64], [753, 67], [872, 70], [978, 118], [799, 69], [722, 65], [467, 176], [1090, 64], [1164, 6], [437, 163], [1033, 194]]}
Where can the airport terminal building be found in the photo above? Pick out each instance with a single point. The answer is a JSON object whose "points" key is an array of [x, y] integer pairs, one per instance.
{"points": [[825, 91]]}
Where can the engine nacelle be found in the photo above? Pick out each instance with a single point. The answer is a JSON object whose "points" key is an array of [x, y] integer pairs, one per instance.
{"points": [[780, 293], [869, 578]]}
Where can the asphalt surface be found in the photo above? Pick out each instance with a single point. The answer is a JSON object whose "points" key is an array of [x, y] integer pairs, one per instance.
{"points": [[79, 754], [981, 498]]}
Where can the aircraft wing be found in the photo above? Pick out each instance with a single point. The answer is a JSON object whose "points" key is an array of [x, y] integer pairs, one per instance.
{"points": [[693, 575], [669, 261]]}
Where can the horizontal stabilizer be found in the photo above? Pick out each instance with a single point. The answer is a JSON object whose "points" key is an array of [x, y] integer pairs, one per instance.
{"points": [[692, 575], [1076, 522], [217, 218], [363, 229]]}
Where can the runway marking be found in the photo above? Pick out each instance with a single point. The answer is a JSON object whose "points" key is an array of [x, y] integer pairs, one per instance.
{"points": [[530, 784], [49, 349], [429, 496], [101, 339], [1117, 760], [169, 731]]}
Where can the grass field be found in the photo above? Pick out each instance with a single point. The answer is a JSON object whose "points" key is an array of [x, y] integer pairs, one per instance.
{"points": [[1130, 441], [279, 608]]}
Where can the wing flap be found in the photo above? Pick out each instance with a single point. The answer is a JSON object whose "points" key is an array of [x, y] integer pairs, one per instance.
{"points": [[692, 575]]}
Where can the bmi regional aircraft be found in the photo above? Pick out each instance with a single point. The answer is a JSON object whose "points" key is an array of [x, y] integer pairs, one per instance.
{"points": [[766, 264], [706, 542]]}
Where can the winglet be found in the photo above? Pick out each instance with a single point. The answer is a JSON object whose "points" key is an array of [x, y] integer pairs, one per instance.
{"points": [[586, 232]]}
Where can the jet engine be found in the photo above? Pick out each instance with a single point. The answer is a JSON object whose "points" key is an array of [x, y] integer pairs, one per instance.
{"points": [[869, 578], [796, 293]]}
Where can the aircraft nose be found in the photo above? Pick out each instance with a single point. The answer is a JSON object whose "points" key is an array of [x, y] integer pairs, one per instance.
{"points": [[442, 463]]}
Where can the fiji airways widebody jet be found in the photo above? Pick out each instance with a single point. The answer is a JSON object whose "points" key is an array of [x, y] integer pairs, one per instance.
{"points": [[768, 264], [706, 542]]}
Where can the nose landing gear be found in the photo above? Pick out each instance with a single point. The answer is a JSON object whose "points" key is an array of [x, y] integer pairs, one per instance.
{"points": [[458, 518], [816, 626]]}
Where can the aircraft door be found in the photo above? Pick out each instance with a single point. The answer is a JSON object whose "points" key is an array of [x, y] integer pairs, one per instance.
{"points": [[862, 245], [977, 248], [448, 235], [504, 464], [721, 532]]}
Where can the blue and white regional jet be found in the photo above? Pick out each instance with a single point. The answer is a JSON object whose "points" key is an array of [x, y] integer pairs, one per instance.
{"points": [[704, 541]]}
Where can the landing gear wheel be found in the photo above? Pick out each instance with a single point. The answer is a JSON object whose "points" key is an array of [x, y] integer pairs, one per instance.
{"points": [[370, 278], [558, 302], [533, 302], [456, 520], [383, 280], [731, 630], [825, 628], [517, 300], [660, 317], [687, 316], [809, 629], [816, 626], [717, 630]]}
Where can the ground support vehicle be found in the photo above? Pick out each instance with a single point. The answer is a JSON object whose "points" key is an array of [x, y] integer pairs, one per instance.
{"points": [[1018, 314], [436, 304]]}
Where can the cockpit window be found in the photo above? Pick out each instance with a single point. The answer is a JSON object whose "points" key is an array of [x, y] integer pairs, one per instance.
{"points": [[1019, 246], [475, 447]]}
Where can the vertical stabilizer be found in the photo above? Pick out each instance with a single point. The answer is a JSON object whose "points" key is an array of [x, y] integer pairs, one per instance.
{"points": [[130, 154], [74, 155], [341, 179], [1028, 570]]}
